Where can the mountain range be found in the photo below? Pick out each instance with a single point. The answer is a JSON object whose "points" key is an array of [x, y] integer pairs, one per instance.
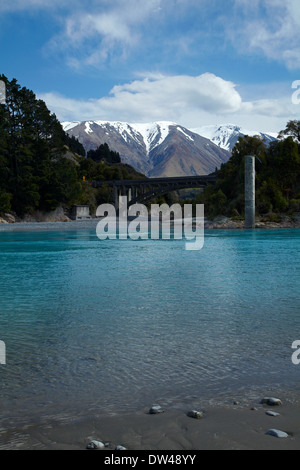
{"points": [[226, 136], [162, 148]]}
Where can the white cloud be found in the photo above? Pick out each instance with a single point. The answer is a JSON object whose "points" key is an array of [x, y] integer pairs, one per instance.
{"points": [[153, 99], [91, 31], [96, 31], [190, 101], [269, 26]]}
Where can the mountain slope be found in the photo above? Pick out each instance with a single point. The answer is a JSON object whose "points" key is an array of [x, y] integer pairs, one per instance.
{"points": [[184, 153], [226, 136], [155, 149]]}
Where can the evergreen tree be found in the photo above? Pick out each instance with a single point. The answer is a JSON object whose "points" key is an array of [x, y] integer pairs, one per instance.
{"points": [[42, 167], [28, 134], [292, 129], [5, 196], [74, 144], [103, 153]]}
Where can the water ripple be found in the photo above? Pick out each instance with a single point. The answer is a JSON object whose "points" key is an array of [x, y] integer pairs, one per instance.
{"points": [[95, 325]]}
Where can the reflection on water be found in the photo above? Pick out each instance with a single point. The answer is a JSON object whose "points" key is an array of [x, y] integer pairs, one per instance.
{"points": [[116, 325]]}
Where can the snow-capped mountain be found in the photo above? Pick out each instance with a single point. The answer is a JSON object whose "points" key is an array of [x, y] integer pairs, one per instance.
{"points": [[155, 149], [226, 136]]}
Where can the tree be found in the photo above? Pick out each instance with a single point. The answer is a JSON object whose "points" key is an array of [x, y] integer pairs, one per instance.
{"points": [[232, 174], [286, 162], [74, 145], [103, 153], [292, 129], [28, 134]]}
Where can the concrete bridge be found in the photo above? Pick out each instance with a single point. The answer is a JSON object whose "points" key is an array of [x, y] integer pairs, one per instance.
{"points": [[144, 190]]}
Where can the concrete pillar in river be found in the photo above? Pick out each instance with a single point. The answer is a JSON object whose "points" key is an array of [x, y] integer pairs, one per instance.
{"points": [[249, 191]]}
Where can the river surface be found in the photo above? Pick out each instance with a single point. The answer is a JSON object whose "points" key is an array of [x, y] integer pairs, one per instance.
{"points": [[118, 325]]}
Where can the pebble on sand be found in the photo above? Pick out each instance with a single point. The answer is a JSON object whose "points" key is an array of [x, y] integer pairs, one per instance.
{"points": [[195, 414], [277, 433], [271, 401], [272, 413], [155, 409], [95, 445]]}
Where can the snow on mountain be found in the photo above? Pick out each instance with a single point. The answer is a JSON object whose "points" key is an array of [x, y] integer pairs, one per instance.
{"points": [[156, 149], [226, 136], [164, 148], [68, 125], [153, 134]]}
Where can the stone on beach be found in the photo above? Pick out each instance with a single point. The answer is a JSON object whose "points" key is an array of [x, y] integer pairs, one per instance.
{"points": [[271, 401], [277, 433], [195, 414], [95, 445], [10, 218], [156, 409], [272, 413]]}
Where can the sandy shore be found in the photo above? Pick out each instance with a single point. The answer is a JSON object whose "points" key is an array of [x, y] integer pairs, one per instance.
{"points": [[49, 226], [91, 224], [231, 427]]}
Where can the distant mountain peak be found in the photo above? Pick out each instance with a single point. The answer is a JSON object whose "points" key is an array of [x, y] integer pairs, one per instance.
{"points": [[162, 148], [153, 133], [227, 135]]}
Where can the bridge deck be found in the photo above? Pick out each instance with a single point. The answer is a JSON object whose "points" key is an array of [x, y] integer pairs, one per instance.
{"points": [[201, 179], [144, 190]]}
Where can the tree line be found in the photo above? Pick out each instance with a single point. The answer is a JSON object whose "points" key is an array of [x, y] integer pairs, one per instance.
{"points": [[41, 167], [277, 177]]}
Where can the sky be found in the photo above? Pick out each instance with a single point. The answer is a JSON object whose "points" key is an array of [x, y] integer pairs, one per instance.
{"points": [[193, 62]]}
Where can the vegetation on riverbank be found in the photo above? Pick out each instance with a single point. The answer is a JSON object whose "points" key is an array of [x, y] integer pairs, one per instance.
{"points": [[41, 167], [277, 178]]}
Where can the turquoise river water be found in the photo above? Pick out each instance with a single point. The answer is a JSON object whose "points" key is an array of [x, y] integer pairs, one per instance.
{"points": [[117, 325]]}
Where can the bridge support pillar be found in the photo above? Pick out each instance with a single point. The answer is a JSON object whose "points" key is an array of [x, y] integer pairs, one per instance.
{"points": [[129, 194], [249, 191]]}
